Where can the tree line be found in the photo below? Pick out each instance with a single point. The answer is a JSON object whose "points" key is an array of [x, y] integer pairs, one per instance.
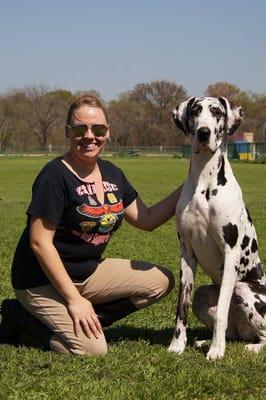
{"points": [[35, 116]]}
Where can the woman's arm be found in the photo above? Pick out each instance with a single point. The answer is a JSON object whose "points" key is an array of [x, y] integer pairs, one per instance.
{"points": [[80, 309], [149, 218]]}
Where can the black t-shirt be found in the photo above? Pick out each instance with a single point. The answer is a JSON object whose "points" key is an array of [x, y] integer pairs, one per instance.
{"points": [[84, 225]]}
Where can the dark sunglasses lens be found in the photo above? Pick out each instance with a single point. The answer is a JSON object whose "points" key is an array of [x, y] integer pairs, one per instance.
{"points": [[79, 130], [99, 130]]}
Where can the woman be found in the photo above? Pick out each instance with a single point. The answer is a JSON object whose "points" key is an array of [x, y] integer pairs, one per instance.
{"points": [[59, 276]]}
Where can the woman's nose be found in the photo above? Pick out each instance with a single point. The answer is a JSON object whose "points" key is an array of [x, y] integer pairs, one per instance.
{"points": [[89, 133]]}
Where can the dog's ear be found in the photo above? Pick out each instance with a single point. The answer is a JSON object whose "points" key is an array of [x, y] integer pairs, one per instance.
{"points": [[234, 115], [181, 113]]}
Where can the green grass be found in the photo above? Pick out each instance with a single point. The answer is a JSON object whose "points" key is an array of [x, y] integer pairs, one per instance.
{"points": [[137, 365]]}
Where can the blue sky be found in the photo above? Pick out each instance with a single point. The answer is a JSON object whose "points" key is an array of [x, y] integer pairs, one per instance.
{"points": [[111, 46]]}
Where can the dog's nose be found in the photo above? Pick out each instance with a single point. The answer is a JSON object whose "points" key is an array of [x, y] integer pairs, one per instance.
{"points": [[203, 134]]}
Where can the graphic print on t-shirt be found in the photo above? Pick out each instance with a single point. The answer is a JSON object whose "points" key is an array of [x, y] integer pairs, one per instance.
{"points": [[101, 218], [106, 215]]}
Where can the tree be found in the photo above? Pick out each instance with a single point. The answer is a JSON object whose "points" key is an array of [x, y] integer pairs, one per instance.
{"points": [[231, 92], [157, 100], [127, 122], [42, 112], [5, 121], [256, 116]]}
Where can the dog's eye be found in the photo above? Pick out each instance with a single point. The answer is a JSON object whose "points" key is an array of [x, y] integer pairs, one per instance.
{"points": [[195, 111], [216, 111]]}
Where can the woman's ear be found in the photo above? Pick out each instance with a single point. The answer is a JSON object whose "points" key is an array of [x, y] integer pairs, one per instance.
{"points": [[108, 134]]}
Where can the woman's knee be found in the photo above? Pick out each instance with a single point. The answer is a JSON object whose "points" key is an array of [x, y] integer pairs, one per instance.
{"points": [[165, 283], [156, 284], [79, 345]]}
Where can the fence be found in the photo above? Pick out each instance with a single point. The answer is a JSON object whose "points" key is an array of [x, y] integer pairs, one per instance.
{"points": [[236, 151]]}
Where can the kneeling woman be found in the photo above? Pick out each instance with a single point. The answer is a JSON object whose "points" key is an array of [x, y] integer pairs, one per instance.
{"points": [[66, 291]]}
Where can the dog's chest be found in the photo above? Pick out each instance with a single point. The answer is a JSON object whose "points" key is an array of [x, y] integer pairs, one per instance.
{"points": [[199, 229], [205, 207], [193, 212]]}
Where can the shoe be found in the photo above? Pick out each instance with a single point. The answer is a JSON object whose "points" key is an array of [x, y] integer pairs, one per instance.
{"points": [[10, 330], [18, 323]]}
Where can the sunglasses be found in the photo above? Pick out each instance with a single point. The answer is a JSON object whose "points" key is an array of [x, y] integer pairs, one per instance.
{"points": [[99, 130]]}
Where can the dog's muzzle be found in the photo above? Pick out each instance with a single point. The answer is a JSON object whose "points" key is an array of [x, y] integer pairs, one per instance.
{"points": [[203, 135]]}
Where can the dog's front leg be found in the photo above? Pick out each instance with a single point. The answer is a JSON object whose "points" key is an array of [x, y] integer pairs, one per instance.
{"points": [[187, 276], [217, 347]]}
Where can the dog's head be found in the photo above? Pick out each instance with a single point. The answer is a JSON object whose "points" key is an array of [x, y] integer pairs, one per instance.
{"points": [[208, 119]]}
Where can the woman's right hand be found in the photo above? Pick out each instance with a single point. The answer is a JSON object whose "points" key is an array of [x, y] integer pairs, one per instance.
{"points": [[84, 317]]}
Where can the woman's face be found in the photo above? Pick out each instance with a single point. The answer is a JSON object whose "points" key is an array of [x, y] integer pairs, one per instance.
{"points": [[88, 146]]}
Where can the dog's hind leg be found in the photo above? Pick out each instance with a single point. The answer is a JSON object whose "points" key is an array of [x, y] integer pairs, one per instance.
{"points": [[250, 314], [204, 307]]}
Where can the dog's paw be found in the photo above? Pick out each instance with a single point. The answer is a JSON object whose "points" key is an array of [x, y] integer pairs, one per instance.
{"points": [[198, 344], [255, 348], [177, 346], [215, 352]]}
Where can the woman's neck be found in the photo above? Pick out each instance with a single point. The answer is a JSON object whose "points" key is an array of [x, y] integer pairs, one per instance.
{"points": [[83, 169]]}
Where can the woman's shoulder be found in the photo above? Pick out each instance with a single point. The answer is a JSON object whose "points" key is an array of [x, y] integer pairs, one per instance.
{"points": [[109, 167], [52, 170], [54, 165]]}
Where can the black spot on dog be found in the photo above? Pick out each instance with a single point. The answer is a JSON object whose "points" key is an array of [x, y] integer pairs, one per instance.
{"points": [[214, 192], [250, 316], [230, 233], [203, 191], [177, 333], [234, 127], [207, 194], [256, 287], [245, 242], [247, 253], [244, 261], [221, 179], [238, 299], [182, 305], [237, 269], [188, 290], [255, 273], [221, 129], [260, 307], [249, 217], [182, 312], [254, 246]]}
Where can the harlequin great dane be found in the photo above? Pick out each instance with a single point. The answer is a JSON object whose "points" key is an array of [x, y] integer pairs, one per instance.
{"points": [[216, 231]]}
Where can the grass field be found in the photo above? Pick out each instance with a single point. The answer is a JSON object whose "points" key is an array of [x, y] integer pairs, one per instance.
{"points": [[137, 365]]}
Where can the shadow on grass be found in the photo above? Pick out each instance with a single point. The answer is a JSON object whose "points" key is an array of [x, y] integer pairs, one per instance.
{"points": [[130, 333], [153, 336]]}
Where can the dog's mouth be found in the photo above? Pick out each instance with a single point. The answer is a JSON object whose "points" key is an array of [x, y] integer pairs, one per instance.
{"points": [[203, 146]]}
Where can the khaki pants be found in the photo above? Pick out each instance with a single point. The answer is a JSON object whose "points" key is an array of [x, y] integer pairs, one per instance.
{"points": [[113, 279]]}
